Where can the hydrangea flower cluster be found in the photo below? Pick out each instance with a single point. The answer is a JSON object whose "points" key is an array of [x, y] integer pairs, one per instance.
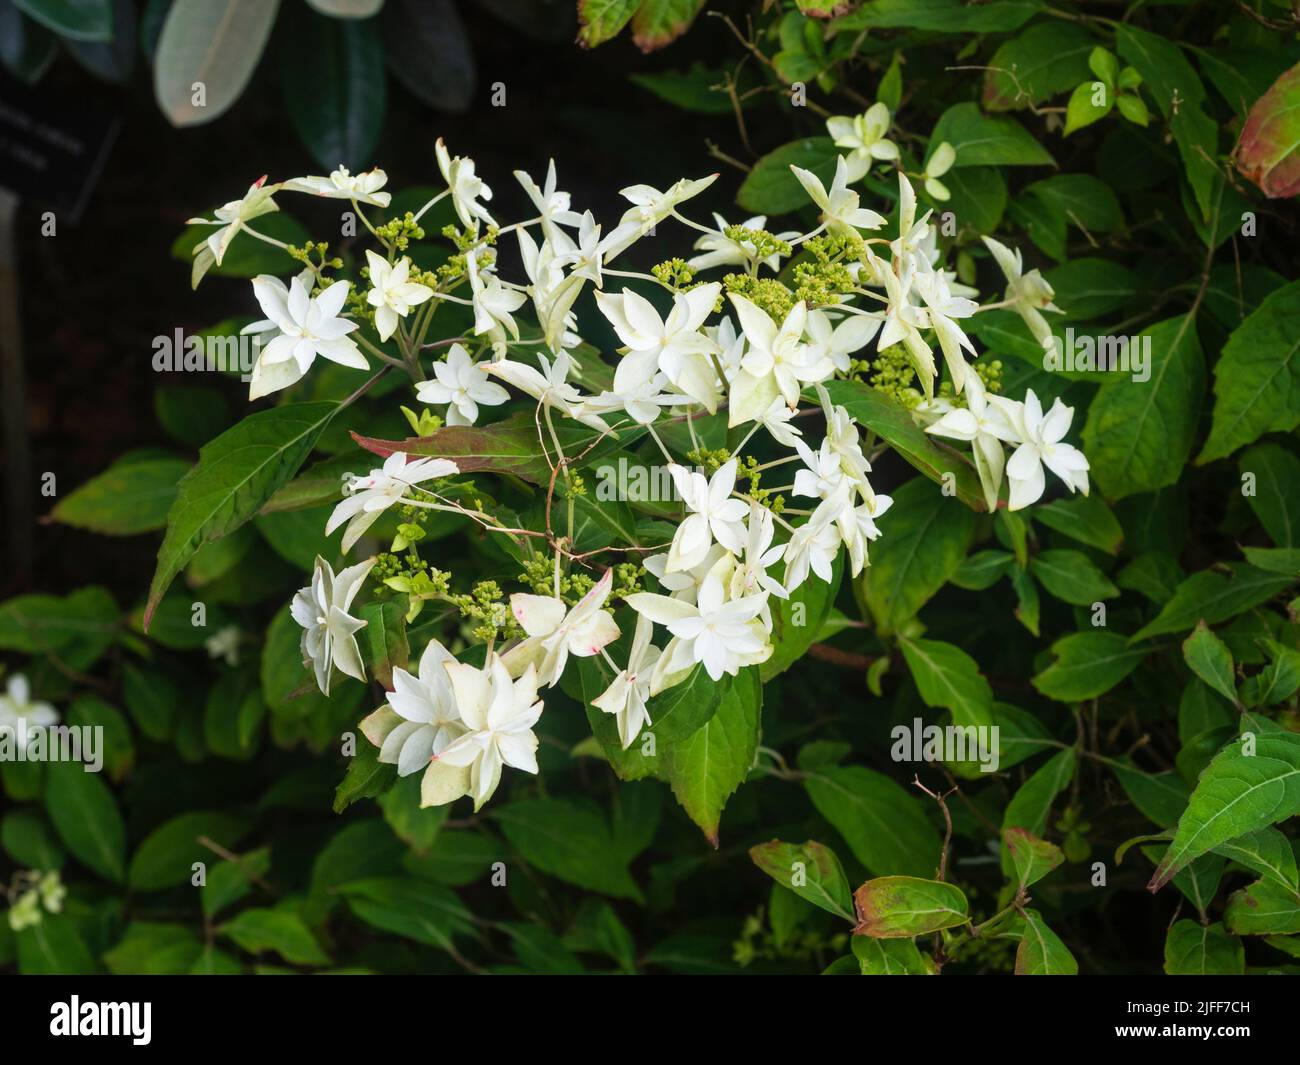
{"points": [[791, 312]]}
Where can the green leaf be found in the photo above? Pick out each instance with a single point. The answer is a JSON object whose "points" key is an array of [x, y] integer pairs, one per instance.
{"points": [[87, 819], [1193, 949], [228, 882], [1161, 797], [1275, 472], [366, 778], [988, 140], [216, 43], [899, 907], [1257, 378], [1041, 952], [335, 89], [53, 947], [947, 676], [414, 909], [236, 473], [890, 957], [154, 948], [1088, 203], [894, 424], [1082, 109], [928, 539], [282, 931], [601, 20], [1092, 288], [166, 856], [660, 22], [1139, 435], [699, 88], [1267, 852], [982, 570], [684, 708], [1209, 658], [885, 827], [1031, 805], [1044, 60], [386, 637], [771, 188], [1237, 793], [1211, 596], [1071, 577], [1033, 858], [1179, 94], [707, 767], [1266, 151], [810, 870], [1088, 664], [945, 16], [127, 498], [568, 840], [77, 629], [1084, 518], [1263, 908], [29, 840], [78, 20], [796, 622]]}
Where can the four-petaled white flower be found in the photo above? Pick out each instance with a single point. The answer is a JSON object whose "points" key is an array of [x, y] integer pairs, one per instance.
{"points": [[230, 218], [722, 634], [674, 344], [498, 714], [864, 136], [462, 384], [1042, 435], [329, 632], [1028, 293], [649, 208], [369, 496], [840, 210], [555, 632], [20, 713], [466, 187], [714, 515], [494, 303], [306, 327], [627, 693], [429, 721], [551, 203], [392, 292], [814, 544], [549, 386], [342, 185], [986, 425]]}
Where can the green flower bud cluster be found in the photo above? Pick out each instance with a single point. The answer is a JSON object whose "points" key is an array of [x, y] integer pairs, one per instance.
{"points": [[397, 233], [765, 244], [766, 293], [486, 609], [893, 374], [676, 274], [319, 249], [539, 575], [708, 459], [570, 485], [821, 281]]}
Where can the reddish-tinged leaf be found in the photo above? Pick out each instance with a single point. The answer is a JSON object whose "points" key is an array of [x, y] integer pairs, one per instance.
{"points": [[1268, 150]]}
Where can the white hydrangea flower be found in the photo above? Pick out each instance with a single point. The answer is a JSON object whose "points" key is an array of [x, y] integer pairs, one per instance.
{"points": [[498, 714], [342, 185], [864, 137], [368, 497], [555, 632], [1042, 435], [466, 187], [392, 292], [714, 515], [629, 691], [839, 204], [329, 632], [20, 713], [1029, 294], [424, 702], [305, 327], [463, 385]]}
